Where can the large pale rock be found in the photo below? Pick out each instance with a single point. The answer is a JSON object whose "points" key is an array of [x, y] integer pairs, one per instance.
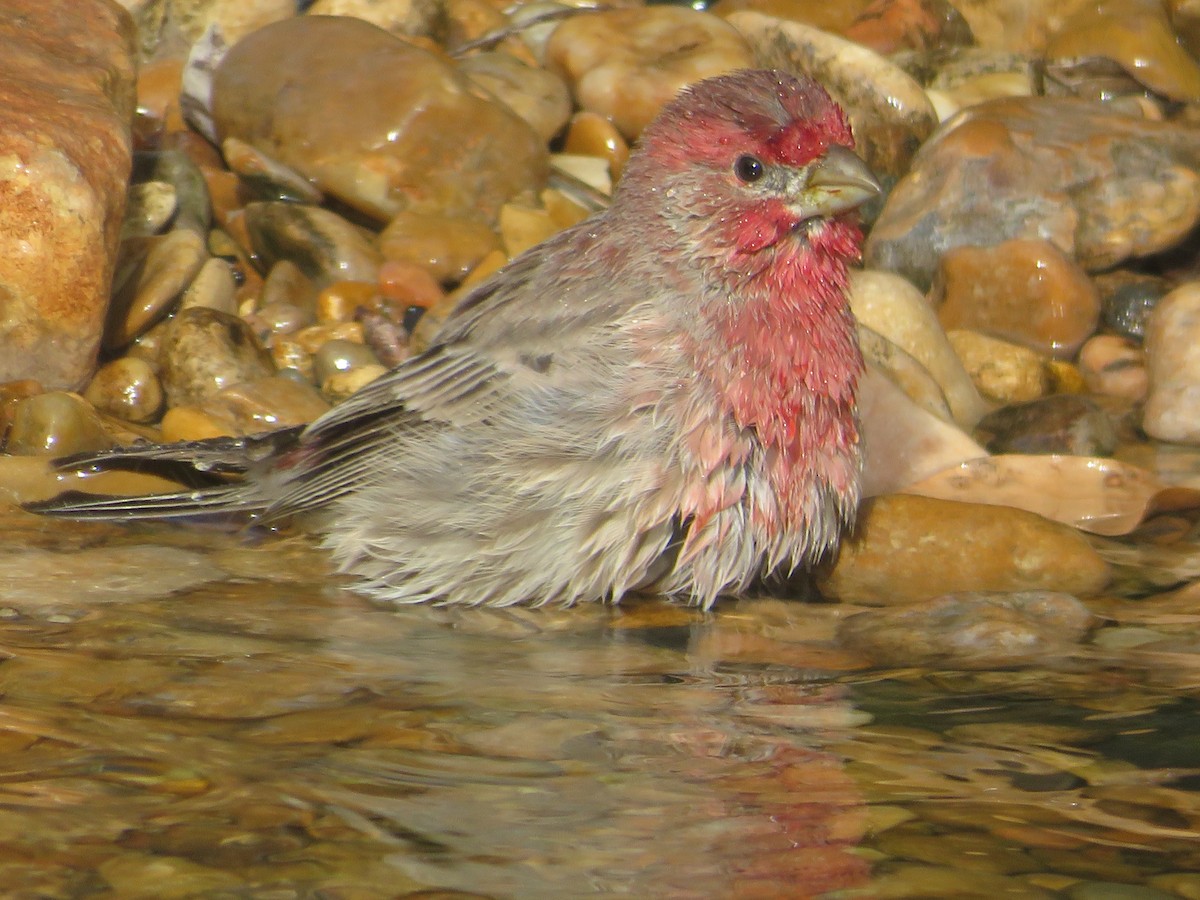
{"points": [[1173, 357], [380, 124], [66, 102]]}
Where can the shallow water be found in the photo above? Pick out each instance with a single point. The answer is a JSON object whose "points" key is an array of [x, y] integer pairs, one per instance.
{"points": [[187, 713]]}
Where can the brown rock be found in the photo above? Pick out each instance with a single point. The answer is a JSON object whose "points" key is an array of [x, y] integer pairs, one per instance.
{"points": [[1115, 366], [1099, 185], [909, 548], [56, 423], [205, 351], [889, 26], [376, 122], [1003, 372], [66, 103], [447, 247], [1173, 362], [1023, 291]]}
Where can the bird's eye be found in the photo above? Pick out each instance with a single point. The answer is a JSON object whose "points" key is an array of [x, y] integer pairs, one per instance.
{"points": [[748, 169]]}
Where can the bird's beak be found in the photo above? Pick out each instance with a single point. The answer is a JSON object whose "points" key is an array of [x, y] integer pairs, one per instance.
{"points": [[837, 182]]}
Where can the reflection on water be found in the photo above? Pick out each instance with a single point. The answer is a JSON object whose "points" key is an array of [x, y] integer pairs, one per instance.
{"points": [[185, 714]]}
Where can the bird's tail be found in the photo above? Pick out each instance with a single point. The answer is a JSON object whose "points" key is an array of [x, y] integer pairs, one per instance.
{"points": [[204, 467]]}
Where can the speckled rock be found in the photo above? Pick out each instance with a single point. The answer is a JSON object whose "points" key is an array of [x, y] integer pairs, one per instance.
{"points": [[127, 388], [167, 27], [538, 96], [399, 140], [325, 246], [889, 26], [913, 548], [411, 17], [1173, 362], [152, 273], [974, 630], [626, 63], [1099, 185], [1126, 301], [205, 351], [66, 101], [1061, 423], [1024, 291], [265, 404], [1002, 371]]}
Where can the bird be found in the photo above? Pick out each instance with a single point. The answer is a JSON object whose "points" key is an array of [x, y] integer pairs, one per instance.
{"points": [[660, 399]]}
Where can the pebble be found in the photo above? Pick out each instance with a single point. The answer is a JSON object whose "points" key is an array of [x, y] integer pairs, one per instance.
{"points": [[1137, 35], [591, 134], [265, 404], [68, 73], [409, 134], [1098, 184], [148, 207], [890, 113], [342, 300], [325, 246], [624, 64], [1025, 291], [151, 275], [909, 548], [523, 226], [538, 96], [127, 388], [193, 206], [891, 26], [340, 355], [205, 351], [1114, 366], [971, 630], [287, 285], [409, 284], [1060, 423], [1172, 410], [316, 336], [214, 287], [56, 423], [264, 177], [891, 306], [397, 16], [191, 423], [446, 247], [341, 385], [1003, 372], [1126, 301], [273, 320]]}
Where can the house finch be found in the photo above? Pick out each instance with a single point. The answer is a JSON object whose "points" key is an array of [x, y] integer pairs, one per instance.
{"points": [[661, 397]]}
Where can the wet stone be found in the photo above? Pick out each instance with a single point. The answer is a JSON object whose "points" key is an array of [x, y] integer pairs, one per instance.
{"points": [[266, 404], [1126, 302], [399, 140], [150, 276], [205, 351], [890, 26], [340, 356], [1060, 423], [343, 383], [591, 134], [1023, 291], [193, 210], [1173, 365], [447, 247], [539, 97], [148, 207], [1099, 185], [214, 287], [267, 178], [910, 548], [1003, 372], [1114, 366], [409, 284], [624, 64], [56, 423], [127, 388], [325, 247]]}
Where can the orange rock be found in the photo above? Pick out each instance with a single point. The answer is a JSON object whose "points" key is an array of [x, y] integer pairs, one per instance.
{"points": [[66, 104], [1026, 291]]}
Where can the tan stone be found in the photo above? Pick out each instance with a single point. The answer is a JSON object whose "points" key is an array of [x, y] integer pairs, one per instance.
{"points": [[909, 548], [1002, 371], [66, 102]]}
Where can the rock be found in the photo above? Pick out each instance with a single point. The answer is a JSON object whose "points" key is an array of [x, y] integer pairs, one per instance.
{"points": [[127, 388], [1114, 366], [590, 134], [56, 423], [624, 64], [265, 178], [1126, 301], [151, 275], [409, 284], [380, 124], [265, 404], [342, 300], [1099, 185], [1025, 291], [165, 28], [342, 385], [894, 308], [191, 423], [340, 355], [205, 351], [912, 548], [410, 17], [889, 26], [1137, 35], [448, 248], [1021, 28], [66, 103], [538, 96], [1172, 410], [973, 630], [148, 207], [1061, 423], [890, 113], [286, 286], [1003, 372], [213, 287], [325, 246]]}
